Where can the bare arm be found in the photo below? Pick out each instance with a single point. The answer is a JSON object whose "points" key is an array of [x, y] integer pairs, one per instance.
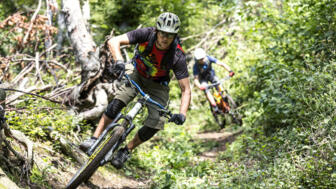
{"points": [[186, 95], [227, 67], [114, 45], [197, 82]]}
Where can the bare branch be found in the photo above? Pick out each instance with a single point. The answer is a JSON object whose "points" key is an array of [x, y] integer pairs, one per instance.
{"points": [[37, 69], [25, 71], [28, 91], [208, 34], [31, 22]]}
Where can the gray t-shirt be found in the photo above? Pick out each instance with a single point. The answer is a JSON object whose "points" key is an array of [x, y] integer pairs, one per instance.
{"points": [[151, 67]]}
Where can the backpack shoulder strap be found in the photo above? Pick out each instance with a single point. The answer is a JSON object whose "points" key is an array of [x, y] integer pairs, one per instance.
{"points": [[168, 59], [149, 47]]}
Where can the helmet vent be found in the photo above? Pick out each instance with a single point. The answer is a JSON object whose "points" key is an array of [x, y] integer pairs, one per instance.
{"points": [[168, 22]]}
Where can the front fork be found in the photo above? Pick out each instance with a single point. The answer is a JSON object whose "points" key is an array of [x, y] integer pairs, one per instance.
{"points": [[127, 124], [108, 156]]}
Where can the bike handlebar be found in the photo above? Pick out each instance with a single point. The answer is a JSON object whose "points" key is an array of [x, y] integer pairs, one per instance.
{"points": [[147, 98], [219, 82]]}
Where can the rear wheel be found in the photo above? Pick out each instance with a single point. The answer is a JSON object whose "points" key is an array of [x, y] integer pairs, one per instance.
{"points": [[86, 171]]}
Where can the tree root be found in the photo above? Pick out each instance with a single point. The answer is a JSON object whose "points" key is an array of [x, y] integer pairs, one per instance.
{"points": [[67, 147], [5, 182], [27, 155]]}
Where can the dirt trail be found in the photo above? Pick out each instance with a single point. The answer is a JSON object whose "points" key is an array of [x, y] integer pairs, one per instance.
{"points": [[58, 170], [110, 180], [221, 137], [117, 181], [114, 180]]}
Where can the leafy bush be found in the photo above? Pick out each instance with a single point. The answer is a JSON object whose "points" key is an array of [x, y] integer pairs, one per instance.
{"points": [[290, 90], [284, 57]]}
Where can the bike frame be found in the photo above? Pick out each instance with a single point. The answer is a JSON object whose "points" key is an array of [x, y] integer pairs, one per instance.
{"points": [[218, 83], [127, 121], [220, 90]]}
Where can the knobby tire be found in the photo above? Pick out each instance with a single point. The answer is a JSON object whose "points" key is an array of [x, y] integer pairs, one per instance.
{"points": [[87, 170], [219, 118]]}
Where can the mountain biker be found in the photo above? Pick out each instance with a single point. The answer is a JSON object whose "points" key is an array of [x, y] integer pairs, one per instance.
{"points": [[157, 52], [204, 73]]}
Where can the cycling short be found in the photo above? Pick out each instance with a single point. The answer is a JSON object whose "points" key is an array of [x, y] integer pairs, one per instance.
{"points": [[158, 92], [213, 79]]}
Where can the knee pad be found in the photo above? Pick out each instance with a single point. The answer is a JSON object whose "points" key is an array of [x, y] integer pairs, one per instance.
{"points": [[145, 133], [114, 108]]}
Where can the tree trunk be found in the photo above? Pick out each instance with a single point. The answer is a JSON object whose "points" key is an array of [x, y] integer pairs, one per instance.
{"points": [[61, 31], [85, 48], [88, 94], [86, 14]]}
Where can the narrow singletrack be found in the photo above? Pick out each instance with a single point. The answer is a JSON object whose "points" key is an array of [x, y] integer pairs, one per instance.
{"points": [[221, 137], [112, 180]]}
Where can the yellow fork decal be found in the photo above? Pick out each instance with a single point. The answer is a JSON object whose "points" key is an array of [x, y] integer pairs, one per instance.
{"points": [[100, 148], [95, 153]]}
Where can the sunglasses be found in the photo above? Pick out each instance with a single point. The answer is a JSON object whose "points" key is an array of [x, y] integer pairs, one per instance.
{"points": [[167, 35]]}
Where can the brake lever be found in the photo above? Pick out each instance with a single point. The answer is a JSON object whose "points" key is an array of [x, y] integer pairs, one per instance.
{"points": [[164, 113]]}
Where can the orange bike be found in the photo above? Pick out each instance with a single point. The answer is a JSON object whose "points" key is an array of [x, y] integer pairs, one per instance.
{"points": [[226, 105]]}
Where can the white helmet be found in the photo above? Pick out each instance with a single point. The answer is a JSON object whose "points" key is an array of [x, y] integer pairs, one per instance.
{"points": [[199, 54], [168, 22]]}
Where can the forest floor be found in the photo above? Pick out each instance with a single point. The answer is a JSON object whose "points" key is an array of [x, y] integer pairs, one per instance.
{"points": [[222, 138], [113, 180], [58, 169]]}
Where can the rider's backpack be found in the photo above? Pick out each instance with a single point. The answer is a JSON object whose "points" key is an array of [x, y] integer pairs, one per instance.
{"points": [[168, 58]]}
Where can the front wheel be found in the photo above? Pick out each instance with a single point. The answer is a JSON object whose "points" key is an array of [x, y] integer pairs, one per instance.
{"points": [[236, 117], [219, 118], [89, 167]]}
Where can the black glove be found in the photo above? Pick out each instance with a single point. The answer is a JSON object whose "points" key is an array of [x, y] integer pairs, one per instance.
{"points": [[178, 119], [119, 69], [231, 73]]}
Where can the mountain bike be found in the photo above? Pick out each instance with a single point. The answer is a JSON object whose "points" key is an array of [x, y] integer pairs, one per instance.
{"points": [[101, 152], [226, 105]]}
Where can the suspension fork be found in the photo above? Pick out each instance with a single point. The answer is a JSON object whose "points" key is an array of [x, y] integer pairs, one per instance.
{"points": [[109, 155], [128, 126]]}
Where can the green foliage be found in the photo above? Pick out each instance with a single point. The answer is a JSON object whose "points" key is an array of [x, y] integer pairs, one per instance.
{"points": [[284, 57], [7, 8], [290, 90], [38, 121], [110, 15], [39, 178]]}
